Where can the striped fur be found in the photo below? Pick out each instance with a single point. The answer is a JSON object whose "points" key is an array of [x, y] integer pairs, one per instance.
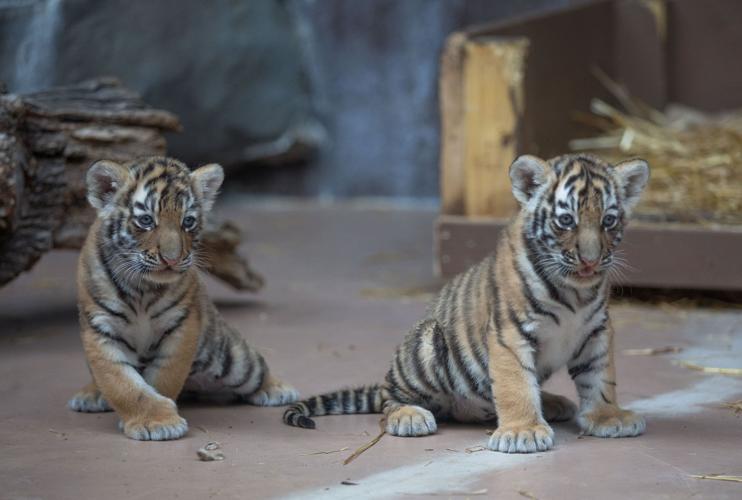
{"points": [[148, 328], [496, 332]]}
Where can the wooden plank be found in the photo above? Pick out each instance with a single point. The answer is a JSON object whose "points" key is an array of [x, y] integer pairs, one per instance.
{"points": [[565, 46], [639, 49], [451, 101], [660, 255], [704, 39], [493, 103]]}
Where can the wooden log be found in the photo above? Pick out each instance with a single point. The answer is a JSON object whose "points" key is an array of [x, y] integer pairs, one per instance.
{"points": [[224, 261], [31, 191], [47, 142]]}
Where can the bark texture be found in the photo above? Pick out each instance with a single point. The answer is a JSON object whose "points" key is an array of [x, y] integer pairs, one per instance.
{"points": [[48, 140]]}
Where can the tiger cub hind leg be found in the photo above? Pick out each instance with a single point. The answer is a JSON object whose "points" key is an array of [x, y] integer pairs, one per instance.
{"points": [[556, 408], [409, 420], [610, 421], [89, 400], [273, 392], [226, 362]]}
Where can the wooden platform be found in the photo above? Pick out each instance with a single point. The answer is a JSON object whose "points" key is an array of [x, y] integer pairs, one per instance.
{"points": [[660, 255], [513, 88]]}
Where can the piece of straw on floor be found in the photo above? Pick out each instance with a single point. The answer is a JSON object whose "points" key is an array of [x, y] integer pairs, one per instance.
{"points": [[652, 351], [362, 449], [735, 406], [737, 372], [719, 477]]}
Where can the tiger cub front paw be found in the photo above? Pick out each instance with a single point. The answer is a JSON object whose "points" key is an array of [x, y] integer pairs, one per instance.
{"points": [[522, 438], [611, 421], [160, 424]]}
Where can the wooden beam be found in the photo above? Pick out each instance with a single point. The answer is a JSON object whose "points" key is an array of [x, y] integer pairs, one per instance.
{"points": [[481, 99], [659, 255], [451, 100], [493, 104]]}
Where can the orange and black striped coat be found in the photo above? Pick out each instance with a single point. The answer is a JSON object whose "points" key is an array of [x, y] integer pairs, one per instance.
{"points": [[148, 328], [496, 332]]}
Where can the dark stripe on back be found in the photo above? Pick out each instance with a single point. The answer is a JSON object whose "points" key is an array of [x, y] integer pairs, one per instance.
{"points": [[440, 347], [470, 302], [417, 362], [226, 363]]}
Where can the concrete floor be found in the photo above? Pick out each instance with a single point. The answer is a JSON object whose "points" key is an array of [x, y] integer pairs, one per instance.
{"points": [[344, 284]]}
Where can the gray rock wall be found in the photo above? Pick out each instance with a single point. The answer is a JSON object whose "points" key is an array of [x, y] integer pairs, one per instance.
{"points": [[231, 70]]}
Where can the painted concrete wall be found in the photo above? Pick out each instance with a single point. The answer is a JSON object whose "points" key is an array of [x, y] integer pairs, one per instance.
{"points": [[241, 72]]}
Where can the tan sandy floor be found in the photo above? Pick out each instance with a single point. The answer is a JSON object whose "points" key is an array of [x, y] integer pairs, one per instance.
{"points": [[344, 284]]}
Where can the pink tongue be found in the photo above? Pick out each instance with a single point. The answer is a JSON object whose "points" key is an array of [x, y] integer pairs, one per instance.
{"points": [[585, 272]]}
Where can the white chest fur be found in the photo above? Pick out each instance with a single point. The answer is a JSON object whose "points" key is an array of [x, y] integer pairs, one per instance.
{"points": [[146, 325], [559, 342]]}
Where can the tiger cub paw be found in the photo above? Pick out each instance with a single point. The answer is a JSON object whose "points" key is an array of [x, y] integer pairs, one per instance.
{"points": [[274, 392], [557, 408], [410, 421], [87, 401], [611, 421], [522, 438], [155, 429]]}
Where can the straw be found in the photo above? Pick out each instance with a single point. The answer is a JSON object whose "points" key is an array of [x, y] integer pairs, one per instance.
{"points": [[695, 158]]}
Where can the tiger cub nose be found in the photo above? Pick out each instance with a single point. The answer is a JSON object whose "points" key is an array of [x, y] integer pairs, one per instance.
{"points": [[589, 262], [169, 261]]}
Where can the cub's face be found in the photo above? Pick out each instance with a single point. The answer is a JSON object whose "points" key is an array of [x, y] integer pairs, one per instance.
{"points": [[152, 213], [577, 207]]}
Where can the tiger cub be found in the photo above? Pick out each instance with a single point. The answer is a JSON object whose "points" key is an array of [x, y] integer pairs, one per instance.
{"points": [[498, 331], [147, 325]]}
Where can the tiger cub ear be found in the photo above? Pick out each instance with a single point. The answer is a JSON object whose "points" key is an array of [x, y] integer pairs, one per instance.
{"points": [[206, 181], [527, 174], [104, 179], [632, 177]]}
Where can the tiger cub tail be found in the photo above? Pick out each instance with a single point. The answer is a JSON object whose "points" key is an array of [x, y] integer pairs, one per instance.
{"points": [[364, 399]]}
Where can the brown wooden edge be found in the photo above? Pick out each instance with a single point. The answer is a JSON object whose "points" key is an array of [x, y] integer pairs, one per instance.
{"points": [[659, 255]]}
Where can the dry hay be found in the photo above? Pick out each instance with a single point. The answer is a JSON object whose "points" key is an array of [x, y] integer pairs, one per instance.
{"points": [[696, 158], [735, 406]]}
